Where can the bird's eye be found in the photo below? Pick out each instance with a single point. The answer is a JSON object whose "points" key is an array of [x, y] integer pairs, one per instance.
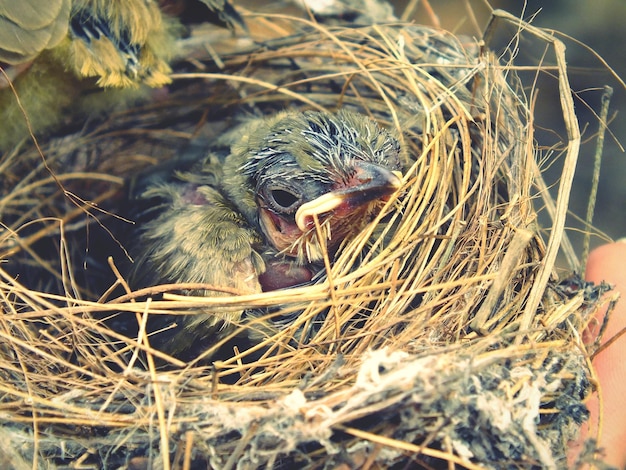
{"points": [[284, 199]]}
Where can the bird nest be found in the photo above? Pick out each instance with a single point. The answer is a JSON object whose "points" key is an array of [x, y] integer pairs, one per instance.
{"points": [[443, 337]]}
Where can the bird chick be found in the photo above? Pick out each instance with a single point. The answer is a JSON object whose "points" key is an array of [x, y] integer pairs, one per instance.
{"points": [[248, 222], [296, 166], [56, 55], [121, 42]]}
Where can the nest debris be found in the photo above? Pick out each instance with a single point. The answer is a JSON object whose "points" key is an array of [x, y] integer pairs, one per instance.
{"points": [[444, 336]]}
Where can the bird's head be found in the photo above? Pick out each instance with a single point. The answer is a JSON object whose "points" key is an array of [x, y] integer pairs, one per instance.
{"points": [[297, 166]]}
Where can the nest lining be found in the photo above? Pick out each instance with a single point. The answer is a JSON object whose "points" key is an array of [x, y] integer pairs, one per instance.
{"points": [[425, 336]]}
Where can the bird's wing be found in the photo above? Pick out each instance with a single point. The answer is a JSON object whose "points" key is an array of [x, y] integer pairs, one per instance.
{"points": [[27, 27], [197, 237]]}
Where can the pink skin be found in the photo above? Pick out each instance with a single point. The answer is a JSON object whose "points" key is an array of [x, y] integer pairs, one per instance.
{"points": [[10, 72], [608, 263], [283, 274]]}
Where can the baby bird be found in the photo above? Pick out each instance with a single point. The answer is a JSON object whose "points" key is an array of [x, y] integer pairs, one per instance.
{"points": [[247, 222], [56, 56], [120, 42]]}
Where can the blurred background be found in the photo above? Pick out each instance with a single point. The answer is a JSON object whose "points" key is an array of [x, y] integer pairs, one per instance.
{"points": [[600, 25]]}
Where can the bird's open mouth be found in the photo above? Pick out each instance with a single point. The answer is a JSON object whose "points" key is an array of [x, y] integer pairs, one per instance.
{"points": [[371, 183], [341, 211]]}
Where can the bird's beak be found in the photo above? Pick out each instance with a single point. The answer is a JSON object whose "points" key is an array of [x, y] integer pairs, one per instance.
{"points": [[370, 182]]}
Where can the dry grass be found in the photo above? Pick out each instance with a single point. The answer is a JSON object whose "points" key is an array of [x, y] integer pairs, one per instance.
{"points": [[444, 336]]}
